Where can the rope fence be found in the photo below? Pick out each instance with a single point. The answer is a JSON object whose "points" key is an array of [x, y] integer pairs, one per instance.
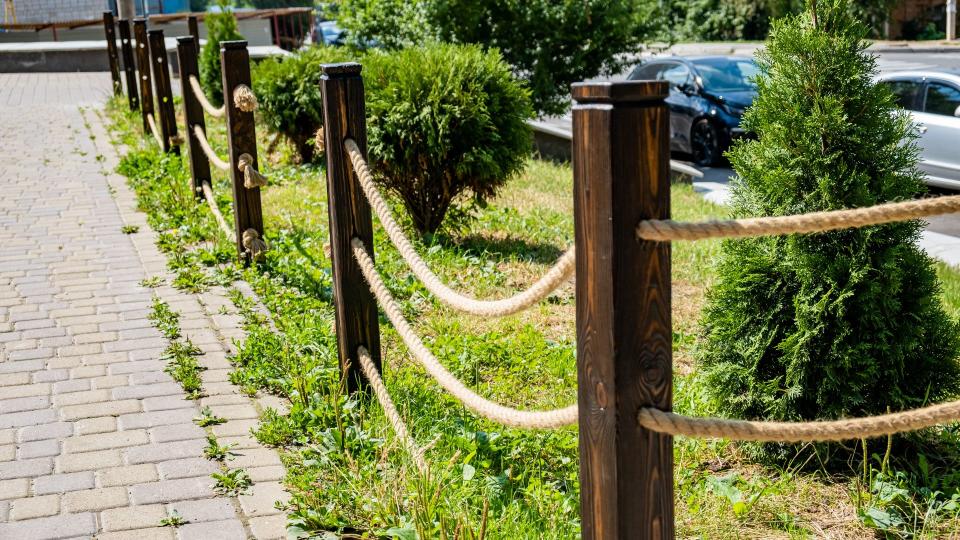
{"points": [[667, 230], [208, 150], [154, 131], [218, 112], [559, 273]]}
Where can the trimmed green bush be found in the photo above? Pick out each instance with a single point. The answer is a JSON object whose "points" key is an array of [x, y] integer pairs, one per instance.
{"points": [[838, 324], [288, 90], [444, 120], [221, 26]]}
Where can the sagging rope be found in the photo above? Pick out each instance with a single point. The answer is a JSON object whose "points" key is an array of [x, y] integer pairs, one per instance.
{"points": [[666, 230], [250, 240], [153, 129], [822, 431], [473, 401], [560, 272], [202, 99], [208, 150], [390, 410]]}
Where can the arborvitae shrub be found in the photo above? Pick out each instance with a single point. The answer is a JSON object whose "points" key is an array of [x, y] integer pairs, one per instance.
{"points": [[221, 26], [444, 121], [288, 91], [839, 324]]}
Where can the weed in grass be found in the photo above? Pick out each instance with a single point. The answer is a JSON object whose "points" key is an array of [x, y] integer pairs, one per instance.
{"points": [[192, 279], [217, 452], [208, 418], [165, 319], [130, 229], [151, 282], [231, 482], [182, 365], [173, 520]]}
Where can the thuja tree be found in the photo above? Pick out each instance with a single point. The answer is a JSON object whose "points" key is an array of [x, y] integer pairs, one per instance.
{"points": [[838, 324], [221, 26]]}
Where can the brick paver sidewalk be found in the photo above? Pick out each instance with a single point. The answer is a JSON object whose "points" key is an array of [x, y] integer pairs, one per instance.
{"points": [[95, 439]]}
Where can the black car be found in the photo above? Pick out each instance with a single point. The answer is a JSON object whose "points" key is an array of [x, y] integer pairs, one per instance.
{"points": [[708, 95]]}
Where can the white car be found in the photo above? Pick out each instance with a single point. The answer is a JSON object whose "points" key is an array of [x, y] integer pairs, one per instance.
{"points": [[933, 99]]}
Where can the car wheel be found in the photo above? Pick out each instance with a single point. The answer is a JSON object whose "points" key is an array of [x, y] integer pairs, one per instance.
{"points": [[704, 143]]}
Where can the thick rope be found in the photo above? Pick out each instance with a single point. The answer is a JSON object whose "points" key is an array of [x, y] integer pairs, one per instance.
{"points": [[202, 99], [559, 273], [208, 150], [837, 430], [244, 98], [254, 244], [665, 230], [212, 202], [390, 410], [153, 130], [252, 178], [473, 401]]}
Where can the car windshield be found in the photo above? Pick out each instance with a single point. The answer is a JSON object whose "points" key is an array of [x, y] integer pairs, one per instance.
{"points": [[727, 74]]}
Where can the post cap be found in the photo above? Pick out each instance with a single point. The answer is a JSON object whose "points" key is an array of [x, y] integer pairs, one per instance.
{"points": [[343, 69], [155, 32], [139, 20], [184, 40], [620, 91], [233, 45]]}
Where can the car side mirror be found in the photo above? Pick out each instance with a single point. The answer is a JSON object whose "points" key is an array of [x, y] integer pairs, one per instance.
{"points": [[687, 88]]}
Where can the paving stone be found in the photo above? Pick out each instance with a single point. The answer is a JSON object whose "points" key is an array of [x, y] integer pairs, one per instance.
{"points": [[8, 436], [156, 453], [95, 499], [127, 475], [186, 468], [90, 410], [166, 403], [132, 517], [55, 430], [215, 530], [50, 528], [148, 390], [34, 507], [269, 527], [204, 510], [88, 461], [267, 474], [156, 418], [79, 398], [25, 468], [255, 457], [172, 490], [263, 498], [35, 449], [176, 432], [235, 428], [103, 441], [153, 533], [89, 426], [62, 483], [15, 488], [8, 452]]}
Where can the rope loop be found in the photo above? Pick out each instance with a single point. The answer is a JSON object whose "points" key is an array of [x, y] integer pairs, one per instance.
{"points": [[254, 244], [152, 122], [208, 150], [252, 178], [202, 99], [549, 282], [244, 98]]}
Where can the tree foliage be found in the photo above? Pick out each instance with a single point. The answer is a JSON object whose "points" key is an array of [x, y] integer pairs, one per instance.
{"points": [[549, 43], [838, 324], [288, 90], [444, 121], [221, 26]]}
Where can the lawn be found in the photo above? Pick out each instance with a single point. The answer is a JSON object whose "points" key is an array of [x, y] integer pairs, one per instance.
{"points": [[348, 472]]}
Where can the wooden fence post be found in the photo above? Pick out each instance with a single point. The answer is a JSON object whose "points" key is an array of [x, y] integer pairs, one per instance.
{"points": [[129, 68], [143, 68], [344, 116], [110, 34], [167, 118], [624, 341], [242, 138], [194, 28], [192, 113]]}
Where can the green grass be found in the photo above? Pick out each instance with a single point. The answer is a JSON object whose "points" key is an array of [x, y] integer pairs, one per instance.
{"points": [[346, 470]]}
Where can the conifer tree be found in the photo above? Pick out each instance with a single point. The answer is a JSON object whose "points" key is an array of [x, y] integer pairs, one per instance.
{"points": [[837, 324]]}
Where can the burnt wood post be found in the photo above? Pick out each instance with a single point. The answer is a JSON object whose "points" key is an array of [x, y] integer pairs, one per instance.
{"points": [[624, 341], [192, 113], [167, 118], [110, 34], [344, 116], [129, 68], [242, 139], [143, 68]]}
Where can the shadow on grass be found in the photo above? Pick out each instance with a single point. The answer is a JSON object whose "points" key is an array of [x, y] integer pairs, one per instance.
{"points": [[503, 249]]}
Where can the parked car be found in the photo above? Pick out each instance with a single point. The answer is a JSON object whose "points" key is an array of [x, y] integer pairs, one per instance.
{"points": [[708, 95], [328, 33], [933, 100]]}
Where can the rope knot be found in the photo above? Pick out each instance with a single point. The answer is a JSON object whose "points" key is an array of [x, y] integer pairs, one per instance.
{"points": [[176, 140], [318, 142], [254, 244], [244, 98], [252, 178]]}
